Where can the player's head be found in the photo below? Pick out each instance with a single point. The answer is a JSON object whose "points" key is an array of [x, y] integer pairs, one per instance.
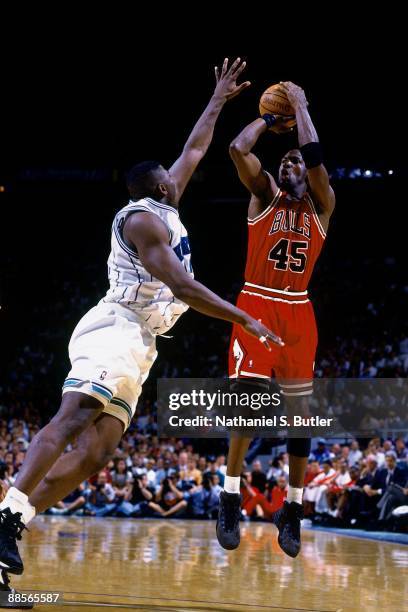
{"points": [[150, 180], [292, 171]]}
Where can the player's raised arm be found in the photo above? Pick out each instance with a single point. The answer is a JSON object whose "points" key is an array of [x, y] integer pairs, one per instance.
{"points": [[200, 138], [259, 182], [150, 237], [311, 153]]}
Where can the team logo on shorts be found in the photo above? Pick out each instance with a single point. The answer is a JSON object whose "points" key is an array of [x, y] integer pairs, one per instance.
{"points": [[103, 375]]}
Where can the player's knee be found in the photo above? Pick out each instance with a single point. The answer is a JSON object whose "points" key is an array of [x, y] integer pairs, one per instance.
{"points": [[75, 415], [94, 459], [299, 447]]}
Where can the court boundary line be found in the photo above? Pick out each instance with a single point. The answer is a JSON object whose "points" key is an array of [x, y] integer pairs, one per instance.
{"points": [[171, 599], [374, 536]]}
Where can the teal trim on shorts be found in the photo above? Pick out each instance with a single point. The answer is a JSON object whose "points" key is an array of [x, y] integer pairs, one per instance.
{"points": [[122, 404], [104, 391]]}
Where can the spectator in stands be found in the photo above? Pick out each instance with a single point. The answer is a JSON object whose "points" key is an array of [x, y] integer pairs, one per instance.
{"points": [[276, 495], [72, 503], [191, 476], [317, 487], [385, 476], [213, 469], [169, 501], [321, 453], [258, 476], [203, 500], [355, 453], [122, 481], [337, 487], [401, 449], [312, 470], [221, 463], [137, 503], [275, 470], [101, 499]]}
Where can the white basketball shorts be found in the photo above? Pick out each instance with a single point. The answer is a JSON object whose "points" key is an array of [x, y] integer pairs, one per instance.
{"points": [[111, 353]]}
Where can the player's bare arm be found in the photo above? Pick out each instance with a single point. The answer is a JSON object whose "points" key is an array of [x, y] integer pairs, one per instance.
{"points": [[200, 138], [258, 182], [150, 237], [318, 176]]}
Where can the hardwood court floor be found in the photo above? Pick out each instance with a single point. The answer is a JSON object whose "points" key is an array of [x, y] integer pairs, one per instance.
{"points": [[162, 565]]}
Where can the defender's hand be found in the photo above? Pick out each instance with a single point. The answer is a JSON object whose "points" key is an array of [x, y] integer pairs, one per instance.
{"points": [[226, 79], [264, 335]]}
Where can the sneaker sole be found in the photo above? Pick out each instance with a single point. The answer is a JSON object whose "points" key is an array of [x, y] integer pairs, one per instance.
{"points": [[224, 546], [12, 569]]}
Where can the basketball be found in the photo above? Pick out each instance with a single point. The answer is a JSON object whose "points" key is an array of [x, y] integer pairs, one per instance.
{"points": [[275, 102]]}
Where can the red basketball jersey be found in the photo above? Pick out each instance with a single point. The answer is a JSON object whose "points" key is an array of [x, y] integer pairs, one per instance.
{"points": [[284, 243]]}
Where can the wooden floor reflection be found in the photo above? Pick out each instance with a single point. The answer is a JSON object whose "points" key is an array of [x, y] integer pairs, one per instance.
{"points": [[159, 565]]}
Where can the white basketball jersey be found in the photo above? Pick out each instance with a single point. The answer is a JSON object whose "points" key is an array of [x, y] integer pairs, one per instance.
{"points": [[131, 285]]}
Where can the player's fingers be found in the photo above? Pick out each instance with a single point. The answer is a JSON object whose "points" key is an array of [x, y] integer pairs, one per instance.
{"points": [[224, 67], [276, 339], [240, 88], [264, 341], [239, 70], [217, 73], [234, 66]]}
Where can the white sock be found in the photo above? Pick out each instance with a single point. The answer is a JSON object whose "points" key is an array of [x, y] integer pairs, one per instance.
{"points": [[295, 494], [17, 501], [231, 484]]}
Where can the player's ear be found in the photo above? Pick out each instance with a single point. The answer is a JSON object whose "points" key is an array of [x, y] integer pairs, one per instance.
{"points": [[161, 189]]}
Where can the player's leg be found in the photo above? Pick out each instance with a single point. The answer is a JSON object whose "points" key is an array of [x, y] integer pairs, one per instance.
{"points": [[295, 371], [249, 365], [289, 517], [94, 449], [229, 511], [76, 413]]}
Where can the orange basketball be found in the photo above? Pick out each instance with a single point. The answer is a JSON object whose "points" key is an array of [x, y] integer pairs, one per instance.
{"points": [[274, 102]]}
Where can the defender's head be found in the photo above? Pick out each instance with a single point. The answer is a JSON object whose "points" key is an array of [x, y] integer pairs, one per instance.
{"points": [[150, 180], [292, 170]]}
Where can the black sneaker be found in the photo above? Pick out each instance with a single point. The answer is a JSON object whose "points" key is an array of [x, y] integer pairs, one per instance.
{"points": [[7, 595], [287, 520], [229, 514], [11, 527]]}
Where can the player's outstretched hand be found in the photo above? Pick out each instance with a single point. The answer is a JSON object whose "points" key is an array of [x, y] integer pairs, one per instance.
{"points": [[226, 79], [264, 335]]}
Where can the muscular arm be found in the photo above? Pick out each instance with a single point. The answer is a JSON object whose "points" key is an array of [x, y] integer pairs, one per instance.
{"points": [[318, 177], [249, 168], [197, 145], [150, 237], [202, 134]]}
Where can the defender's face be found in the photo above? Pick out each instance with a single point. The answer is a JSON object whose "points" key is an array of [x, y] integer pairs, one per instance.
{"points": [[168, 185], [292, 170]]}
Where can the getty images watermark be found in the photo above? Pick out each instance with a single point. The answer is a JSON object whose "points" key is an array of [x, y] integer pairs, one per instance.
{"points": [[223, 399], [336, 407]]}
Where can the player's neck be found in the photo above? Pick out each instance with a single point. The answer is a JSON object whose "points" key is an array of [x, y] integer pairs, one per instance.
{"points": [[297, 192], [167, 203]]}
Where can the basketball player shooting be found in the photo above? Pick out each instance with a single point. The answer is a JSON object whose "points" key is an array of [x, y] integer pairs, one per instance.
{"points": [[113, 346], [287, 224]]}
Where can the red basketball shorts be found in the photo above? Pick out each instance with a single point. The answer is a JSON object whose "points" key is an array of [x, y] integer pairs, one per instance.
{"points": [[292, 318]]}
